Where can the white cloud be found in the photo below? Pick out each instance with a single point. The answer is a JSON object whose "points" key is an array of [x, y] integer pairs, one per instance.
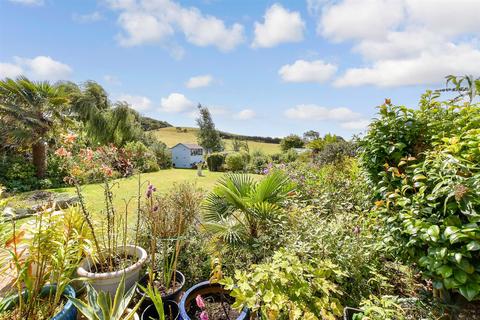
{"points": [[38, 68], [425, 68], [154, 21], [44, 68], [9, 70], [345, 117], [354, 125], [245, 114], [199, 81], [112, 80], [279, 26], [175, 103], [87, 18], [354, 19], [307, 71], [139, 103], [403, 42], [314, 112], [29, 2]]}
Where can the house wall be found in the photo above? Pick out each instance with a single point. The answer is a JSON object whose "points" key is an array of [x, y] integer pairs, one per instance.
{"points": [[182, 158]]}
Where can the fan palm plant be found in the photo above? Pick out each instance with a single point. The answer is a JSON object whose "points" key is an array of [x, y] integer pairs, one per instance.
{"points": [[237, 208], [29, 112]]}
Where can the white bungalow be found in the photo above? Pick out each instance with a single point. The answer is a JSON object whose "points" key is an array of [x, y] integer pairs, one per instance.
{"points": [[186, 155]]}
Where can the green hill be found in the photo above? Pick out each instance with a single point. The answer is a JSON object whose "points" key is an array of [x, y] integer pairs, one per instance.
{"points": [[173, 135]]}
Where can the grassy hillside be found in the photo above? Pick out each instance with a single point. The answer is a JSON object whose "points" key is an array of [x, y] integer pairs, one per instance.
{"points": [[171, 136]]}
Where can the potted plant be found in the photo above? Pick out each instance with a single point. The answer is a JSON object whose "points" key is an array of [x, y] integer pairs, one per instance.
{"points": [[115, 257], [100, 305], [166, 220], [158, 310], [209, 301], [42, 256]]}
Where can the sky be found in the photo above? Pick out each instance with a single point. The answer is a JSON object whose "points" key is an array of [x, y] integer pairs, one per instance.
{"points": [[267, 68]]}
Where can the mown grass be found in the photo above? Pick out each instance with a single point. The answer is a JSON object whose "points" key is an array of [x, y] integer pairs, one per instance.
{"points": [[171, 136]]}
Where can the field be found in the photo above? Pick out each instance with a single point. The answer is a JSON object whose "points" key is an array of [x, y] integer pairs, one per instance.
{"points": [[171, 136], [125, 190]]}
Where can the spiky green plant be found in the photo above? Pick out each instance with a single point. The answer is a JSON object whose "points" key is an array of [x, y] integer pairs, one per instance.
{"points": [[237, 208], [100, 305]]}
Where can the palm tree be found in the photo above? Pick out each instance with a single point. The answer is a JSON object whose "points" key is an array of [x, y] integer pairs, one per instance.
{"points": [[237, 208], [29, 112]]}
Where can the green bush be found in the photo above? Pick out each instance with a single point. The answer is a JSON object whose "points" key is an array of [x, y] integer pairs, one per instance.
{"points": [[259, 162], [287, 288], [291, 141], [142, 157], [335, 152], [215, 161], [162, 154], [235, 161], [18, 174], [428, 189]]}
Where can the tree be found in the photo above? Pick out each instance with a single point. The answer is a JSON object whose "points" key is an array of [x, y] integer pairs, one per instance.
{"points": [[103, 124], [208, 137], [311, 135], [291, 141], [31, 111]]}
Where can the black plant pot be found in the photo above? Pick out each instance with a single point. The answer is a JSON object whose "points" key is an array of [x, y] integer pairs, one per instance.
{"points": [[174, 296], [169, 307], [204, 289], [348, 313]]}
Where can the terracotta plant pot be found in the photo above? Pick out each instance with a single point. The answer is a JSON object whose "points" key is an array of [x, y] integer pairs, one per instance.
{"points": [[109, 281]]}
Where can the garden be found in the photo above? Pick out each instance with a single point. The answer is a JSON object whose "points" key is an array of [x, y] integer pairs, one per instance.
{"points": [[385, 226]]}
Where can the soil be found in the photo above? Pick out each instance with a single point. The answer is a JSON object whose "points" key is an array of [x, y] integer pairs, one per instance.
{"points": [[166, 291], [116, 263], [218, 307], [41, 312]]}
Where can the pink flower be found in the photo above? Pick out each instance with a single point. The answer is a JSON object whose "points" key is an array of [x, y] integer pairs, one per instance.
{"points": [[200, 302], [203, 315]]}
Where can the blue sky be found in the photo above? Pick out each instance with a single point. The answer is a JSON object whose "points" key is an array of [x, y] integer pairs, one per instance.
{"points": [[262, 67]]}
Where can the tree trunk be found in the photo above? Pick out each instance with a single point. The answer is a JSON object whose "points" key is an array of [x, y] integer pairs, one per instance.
{"points": [[39, 154]]}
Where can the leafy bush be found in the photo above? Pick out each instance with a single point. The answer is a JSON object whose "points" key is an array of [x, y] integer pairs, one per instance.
{"points": [[428, 183], [335, 152], [215, 161], [142, 157], [291, 141], [287, 288], [162, 154], [258, 162], [235, 161], [18, 174]]}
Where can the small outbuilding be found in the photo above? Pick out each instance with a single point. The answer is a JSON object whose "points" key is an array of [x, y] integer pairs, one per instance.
{"points": [[186, 155]]}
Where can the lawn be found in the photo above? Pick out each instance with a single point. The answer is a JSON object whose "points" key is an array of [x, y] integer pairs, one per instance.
{"points": [[171, 136]]}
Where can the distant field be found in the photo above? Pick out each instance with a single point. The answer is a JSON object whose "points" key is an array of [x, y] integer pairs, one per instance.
{"points": [[171, 137]]}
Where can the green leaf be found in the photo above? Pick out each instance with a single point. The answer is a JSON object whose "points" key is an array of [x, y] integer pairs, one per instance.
{"points": [[473, 246], [445, 271], [433, 232], [460, 275], [469, 291]]}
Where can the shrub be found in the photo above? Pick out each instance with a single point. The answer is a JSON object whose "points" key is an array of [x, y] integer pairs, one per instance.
{"points": [[235, 161], [141, 157], [286, 286], [335, 152], [258, 162], [291, 141], [215, 161], [18, 174], [428, 188], [162, 154]]}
